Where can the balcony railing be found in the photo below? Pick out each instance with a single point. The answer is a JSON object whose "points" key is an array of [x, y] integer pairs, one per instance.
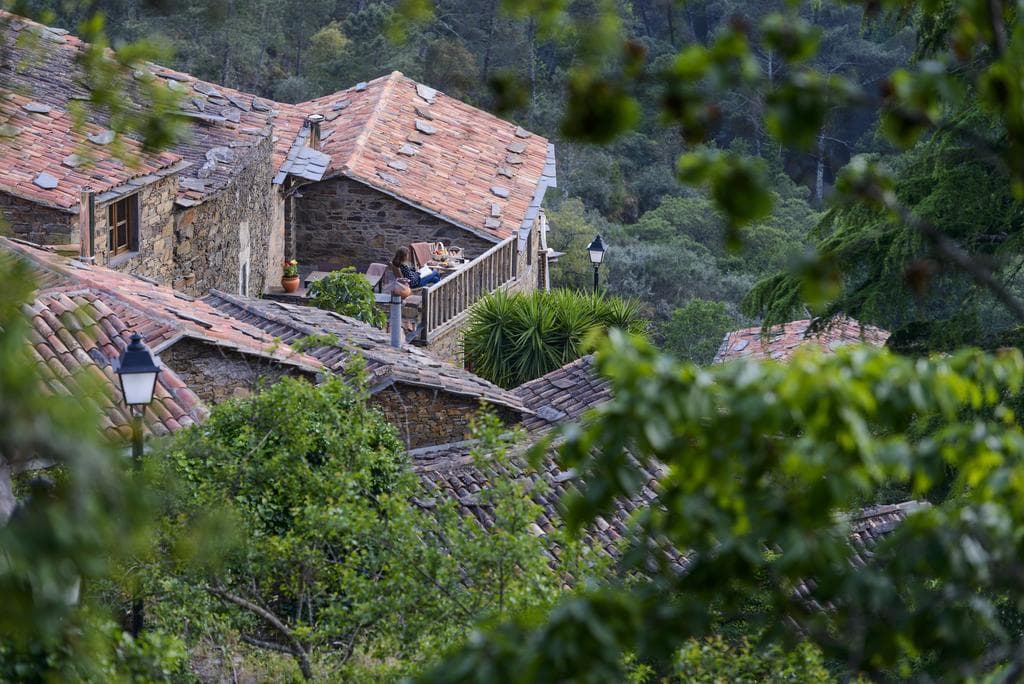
{"points": [[455, 293]]}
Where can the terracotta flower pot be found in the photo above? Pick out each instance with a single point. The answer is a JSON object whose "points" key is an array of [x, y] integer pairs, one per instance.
{"points": [[290, 283], [401, 288]]}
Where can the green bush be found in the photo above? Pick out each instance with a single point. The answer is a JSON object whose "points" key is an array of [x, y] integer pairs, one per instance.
{"points": [[348, 293], [514, 338]]}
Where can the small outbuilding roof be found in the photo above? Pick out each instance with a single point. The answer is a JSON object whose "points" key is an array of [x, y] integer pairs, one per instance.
{"points": [[82, 319], [780, 341], [385, 364]]}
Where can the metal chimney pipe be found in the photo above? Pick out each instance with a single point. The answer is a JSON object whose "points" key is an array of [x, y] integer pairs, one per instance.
{"points": [[87, 226], [314, 121], [396, 320]]}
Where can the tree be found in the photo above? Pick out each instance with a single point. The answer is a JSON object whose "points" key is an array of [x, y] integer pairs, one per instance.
{"points": [[70, 529], [761, 466], [888, 271], [513, 338], [335, 547], [348, 293], [695, 330], [570, 232]]}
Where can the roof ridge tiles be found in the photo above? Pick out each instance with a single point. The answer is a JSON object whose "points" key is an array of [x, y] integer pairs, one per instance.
{"points": [[378, 107]]}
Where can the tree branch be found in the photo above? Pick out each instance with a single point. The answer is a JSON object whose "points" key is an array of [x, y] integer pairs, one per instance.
{"points": [[946, 247], [269, 645], [297, 650]]}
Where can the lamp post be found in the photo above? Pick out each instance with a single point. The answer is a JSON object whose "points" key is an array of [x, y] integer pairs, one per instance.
{"points": [[596, 249], [137, 371]]}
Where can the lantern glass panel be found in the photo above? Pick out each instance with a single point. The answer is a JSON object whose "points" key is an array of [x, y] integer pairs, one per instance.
{"points": [[138, 387]]}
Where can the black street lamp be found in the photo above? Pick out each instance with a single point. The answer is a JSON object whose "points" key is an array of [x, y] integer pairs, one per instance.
{"points": [[597, 249], [137, 371]]}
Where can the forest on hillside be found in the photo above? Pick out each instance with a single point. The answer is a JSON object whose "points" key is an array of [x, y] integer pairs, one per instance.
{"points": [[666, 240]]}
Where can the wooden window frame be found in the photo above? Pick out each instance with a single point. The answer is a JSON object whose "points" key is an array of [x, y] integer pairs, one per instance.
{"points": [[123, 225]]}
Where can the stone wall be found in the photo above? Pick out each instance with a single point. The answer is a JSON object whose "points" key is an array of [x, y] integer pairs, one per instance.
{"points": [[155, 255], [216, 374], [36, 223], [448, 345], [276, 248], [426, 417], [341, 222], [208, 249]]}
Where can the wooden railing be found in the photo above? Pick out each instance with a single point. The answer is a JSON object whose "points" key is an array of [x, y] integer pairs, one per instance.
{"points": [[457, 292]]}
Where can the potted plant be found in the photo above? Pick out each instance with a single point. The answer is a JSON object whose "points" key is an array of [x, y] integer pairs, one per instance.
{"points": [[290, 275]]}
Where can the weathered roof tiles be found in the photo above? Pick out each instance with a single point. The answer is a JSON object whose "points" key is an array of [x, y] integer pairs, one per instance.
{"points": [[781, 341]]}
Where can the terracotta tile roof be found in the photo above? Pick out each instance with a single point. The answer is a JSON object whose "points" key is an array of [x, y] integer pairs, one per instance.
{"points": [[563, 394], [74, 338], [225, 124], [868, 527], [781, 341], [431, 151], [44, 159], [453, 471], [386, 365], [84, 315]]}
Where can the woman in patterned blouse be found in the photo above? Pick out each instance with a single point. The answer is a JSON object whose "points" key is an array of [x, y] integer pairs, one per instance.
{"points": [[403, 268]]}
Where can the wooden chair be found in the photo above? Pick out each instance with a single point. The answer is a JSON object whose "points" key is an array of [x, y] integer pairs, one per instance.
{"points": [[422, 252], [375, 274]]}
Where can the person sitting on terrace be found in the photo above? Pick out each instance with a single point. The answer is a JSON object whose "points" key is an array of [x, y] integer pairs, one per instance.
{"points": [[402, 266]]}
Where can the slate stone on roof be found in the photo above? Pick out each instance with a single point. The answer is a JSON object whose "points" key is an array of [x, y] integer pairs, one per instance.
{"points": [[385, 364], [563, 394], [303, 161]]}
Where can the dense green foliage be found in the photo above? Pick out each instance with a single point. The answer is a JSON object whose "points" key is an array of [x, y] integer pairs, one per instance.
{"points": [[695, 331], [759, 465], [68, 530], [348, 293], [887, 270], [764, 462], [330, 559], [719, 661], [513, 338]]}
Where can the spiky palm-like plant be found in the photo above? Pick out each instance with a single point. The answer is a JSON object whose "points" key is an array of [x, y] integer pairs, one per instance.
{"points": [[513, 338]]}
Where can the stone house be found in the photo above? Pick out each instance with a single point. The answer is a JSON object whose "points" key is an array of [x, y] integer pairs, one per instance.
{"points": [[226, 346], [342, 180], [195, 216], [429, 401]]}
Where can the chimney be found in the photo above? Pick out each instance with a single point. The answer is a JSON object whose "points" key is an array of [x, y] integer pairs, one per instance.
{"points": [[314, 121], [396, 320], [87, 226]]}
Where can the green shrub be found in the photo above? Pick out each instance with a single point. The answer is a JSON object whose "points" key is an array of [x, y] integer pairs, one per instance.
{"points": [[348, 293], [514, 338]]}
